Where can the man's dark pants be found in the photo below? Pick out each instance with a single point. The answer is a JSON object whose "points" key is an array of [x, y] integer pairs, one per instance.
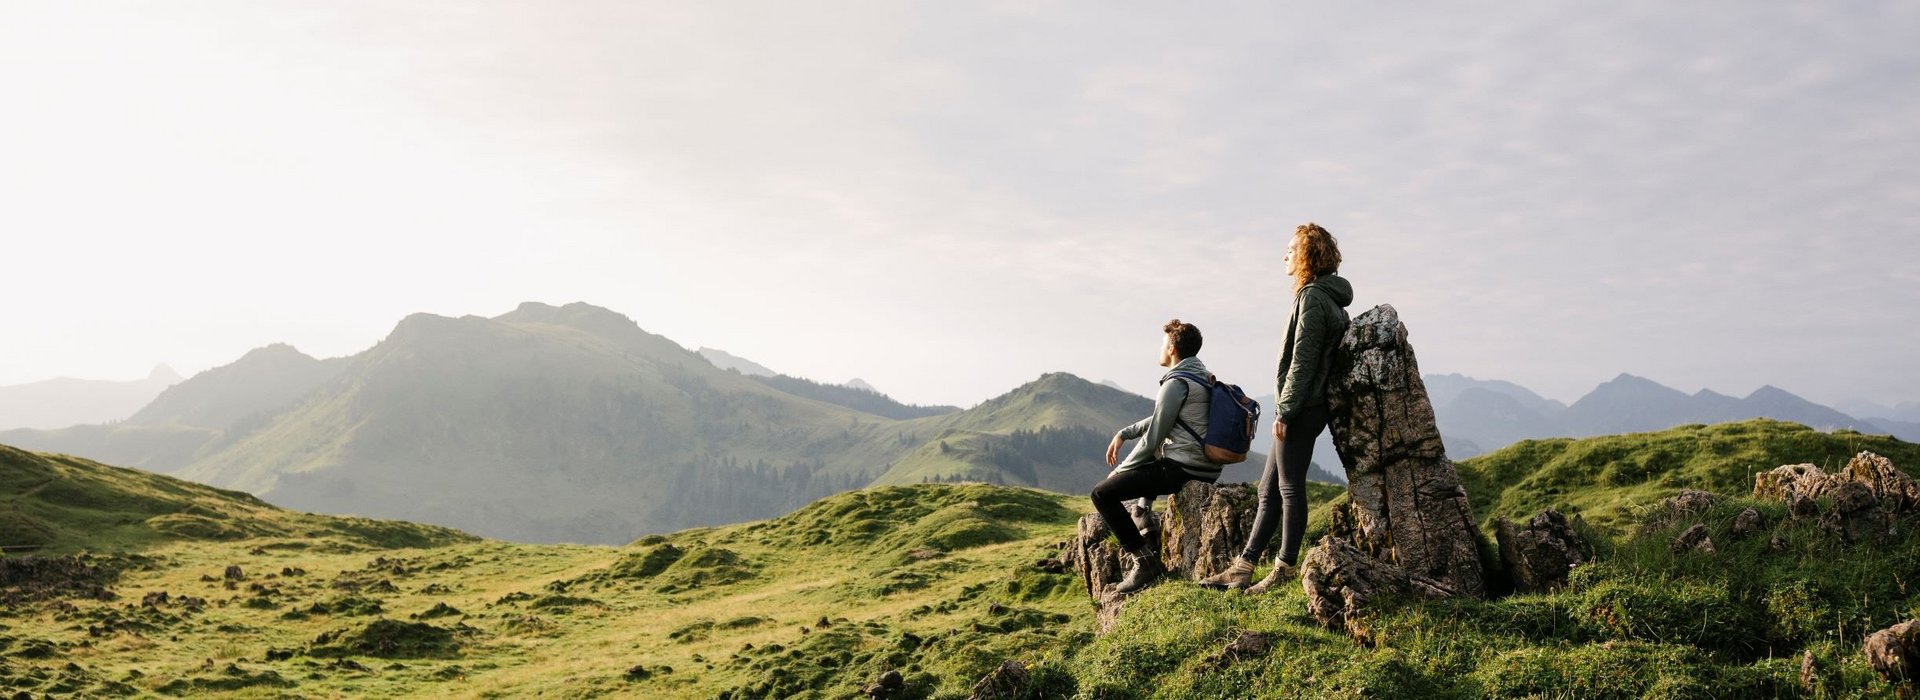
{"points": [[1157, 478]]}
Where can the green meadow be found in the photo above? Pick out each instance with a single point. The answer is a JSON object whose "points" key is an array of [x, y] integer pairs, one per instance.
{"points": [[939, 583]]}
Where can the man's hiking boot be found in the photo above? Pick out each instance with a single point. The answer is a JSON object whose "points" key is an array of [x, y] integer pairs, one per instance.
{"points": [[1143, 568], [1142, 513], [1281, 572], [1236, 576]]}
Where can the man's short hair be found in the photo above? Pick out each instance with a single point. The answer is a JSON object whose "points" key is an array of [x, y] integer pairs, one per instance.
{"points": [[1186, 338]]}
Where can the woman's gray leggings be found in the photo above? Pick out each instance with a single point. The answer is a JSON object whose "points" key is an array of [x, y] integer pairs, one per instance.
{"points": [[1283, 487]]}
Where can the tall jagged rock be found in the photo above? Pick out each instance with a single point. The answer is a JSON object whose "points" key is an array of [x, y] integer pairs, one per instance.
{"points": [[1407, 508]]}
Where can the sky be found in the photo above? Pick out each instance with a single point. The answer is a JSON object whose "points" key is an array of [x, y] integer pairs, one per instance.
{"points": [[949, 199]]}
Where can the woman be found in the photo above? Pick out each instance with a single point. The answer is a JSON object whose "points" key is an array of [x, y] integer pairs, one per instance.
{"points": [[1314, 329]]}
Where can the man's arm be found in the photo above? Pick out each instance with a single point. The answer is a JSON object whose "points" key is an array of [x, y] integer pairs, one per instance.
{"points": [[1155, 429]]}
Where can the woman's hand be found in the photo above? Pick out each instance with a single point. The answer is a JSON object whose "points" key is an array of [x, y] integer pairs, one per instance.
{"points": [[1113, 450], [1279, 430]]}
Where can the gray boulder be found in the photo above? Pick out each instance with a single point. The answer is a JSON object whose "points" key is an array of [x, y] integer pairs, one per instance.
{"points": [[1894, 652], [1538, 556], [1205, 527]]}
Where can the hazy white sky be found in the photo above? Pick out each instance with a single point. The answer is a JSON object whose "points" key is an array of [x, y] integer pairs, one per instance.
{"points": [[948, 199]]}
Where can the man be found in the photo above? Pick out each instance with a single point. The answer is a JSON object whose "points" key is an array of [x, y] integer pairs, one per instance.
{"points": [[1168, 455]]}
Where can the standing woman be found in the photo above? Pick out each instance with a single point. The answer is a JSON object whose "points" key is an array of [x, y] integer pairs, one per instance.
{"points": [[1314, 328]]}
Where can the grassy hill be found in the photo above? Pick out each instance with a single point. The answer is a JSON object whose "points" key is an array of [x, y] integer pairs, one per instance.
{"points": [[938, 583], [64, 504], [932, 581], [1608, 479]]}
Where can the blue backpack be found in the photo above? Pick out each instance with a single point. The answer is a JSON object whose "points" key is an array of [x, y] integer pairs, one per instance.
{"points": [[1232, 420]]}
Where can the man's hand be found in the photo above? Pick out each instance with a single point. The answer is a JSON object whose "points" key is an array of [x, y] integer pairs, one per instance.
{"points": [[1113, 450], [1279, 430]]}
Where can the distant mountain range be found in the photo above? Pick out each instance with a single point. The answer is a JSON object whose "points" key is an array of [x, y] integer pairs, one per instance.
{"points": [[574, 424], [58, 403], [1478, 416]]}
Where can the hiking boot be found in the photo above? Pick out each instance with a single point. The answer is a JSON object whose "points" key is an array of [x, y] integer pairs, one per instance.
{"points": [[1142, 513], [1142, 569], [1281, 572], [1236, 576]]}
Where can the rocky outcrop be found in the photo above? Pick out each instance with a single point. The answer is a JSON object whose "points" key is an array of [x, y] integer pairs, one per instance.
{"points": [[1894, 490], [1785, 482], [1205, 527], [1407, 503], [1694, 539], [1341, 580], [1004, 683], [1861, 499], [1246, 647], [1855, 514], [1094, 555], [1894, 652], [1747, 523], [1538, 556], [1407, 518]]}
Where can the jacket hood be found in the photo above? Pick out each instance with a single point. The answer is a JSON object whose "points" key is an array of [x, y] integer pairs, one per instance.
{"points": [[1335, 287]]}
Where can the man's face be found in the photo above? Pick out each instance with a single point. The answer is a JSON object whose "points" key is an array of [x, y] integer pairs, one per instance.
{"points": [[1167, 358]]}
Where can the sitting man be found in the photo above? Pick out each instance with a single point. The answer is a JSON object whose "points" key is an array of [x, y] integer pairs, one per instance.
{"points": [[1165, 458]]}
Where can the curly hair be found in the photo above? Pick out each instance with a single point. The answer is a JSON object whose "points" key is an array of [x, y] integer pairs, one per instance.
{"points": [[1319, 254], [1185, 336]]}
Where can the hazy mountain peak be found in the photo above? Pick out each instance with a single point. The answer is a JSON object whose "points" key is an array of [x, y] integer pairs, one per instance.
{"points": [[726, 360], [280, 351], [858, 383], [163, 373], [568, 314], [1057, 380], [1635, 385]]}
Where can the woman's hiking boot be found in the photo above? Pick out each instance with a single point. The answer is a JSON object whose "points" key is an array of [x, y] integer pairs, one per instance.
{"points": [[1236, 576], [1281, 572], [1142, 568]]}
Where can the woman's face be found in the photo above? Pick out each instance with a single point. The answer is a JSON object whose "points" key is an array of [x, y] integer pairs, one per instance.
{"points": [[1293, 246]]}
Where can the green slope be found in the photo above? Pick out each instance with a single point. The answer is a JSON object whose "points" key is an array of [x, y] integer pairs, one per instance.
{"points": [[1607, 478], [1051, 433], [939, 583], [933, 582], [62, 504], [158, 448]]}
